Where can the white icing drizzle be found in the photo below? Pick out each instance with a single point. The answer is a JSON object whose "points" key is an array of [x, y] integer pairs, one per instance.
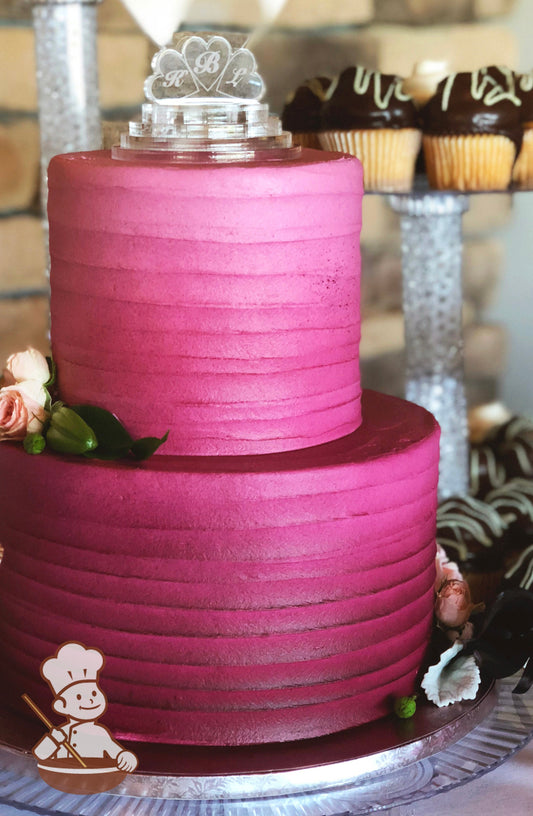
{"points": [[329, 93], [527, 579], [363, 78], [315, 86], [495, 469], [525, 83], [522, 452], [451, 514], [516, 426], [446, 91], [513, 499], [484, 87]]}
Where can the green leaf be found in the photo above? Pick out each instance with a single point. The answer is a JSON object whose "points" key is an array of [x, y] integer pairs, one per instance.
{"points": [[68, 432], [144, 448], [113, 439], [52, 367], [107, 455], [48, 401]]}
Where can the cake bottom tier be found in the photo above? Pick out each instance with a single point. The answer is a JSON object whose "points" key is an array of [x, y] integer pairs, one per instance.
{"points": [[236, 599]]}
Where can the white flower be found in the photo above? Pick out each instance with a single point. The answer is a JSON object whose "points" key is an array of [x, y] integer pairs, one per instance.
{"points": [[26, 365], [445, 684]]}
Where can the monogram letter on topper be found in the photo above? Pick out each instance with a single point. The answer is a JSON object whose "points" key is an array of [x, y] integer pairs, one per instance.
{"points": [[203, 68]]}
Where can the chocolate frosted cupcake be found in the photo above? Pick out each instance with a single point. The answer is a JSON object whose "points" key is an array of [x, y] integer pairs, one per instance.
{"points": [[513, 443], [367, 114], [523, 169], [474, 535], [472, 130], [514, 503], [302, 112]]}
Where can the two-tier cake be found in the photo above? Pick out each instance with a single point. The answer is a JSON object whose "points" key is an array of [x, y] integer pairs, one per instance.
{"points": [[268, 575]]}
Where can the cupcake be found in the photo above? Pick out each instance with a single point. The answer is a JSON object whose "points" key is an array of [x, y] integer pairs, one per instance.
{"points": [[301, 113], [474, 536], [367, 114], [472, 131], [523, 169]]}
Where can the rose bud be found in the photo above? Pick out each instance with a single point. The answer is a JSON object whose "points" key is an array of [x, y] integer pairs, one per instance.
{"points": [[69, 433], [26, 365], [446, 570], [453, 604], [34, 443]]}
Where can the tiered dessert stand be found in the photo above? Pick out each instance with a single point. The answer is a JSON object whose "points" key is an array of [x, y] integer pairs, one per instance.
{"points": [[431, 225], [365, 770]]}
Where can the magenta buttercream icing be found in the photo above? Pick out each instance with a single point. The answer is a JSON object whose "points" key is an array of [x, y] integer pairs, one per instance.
{"points": [[237, 599], [268, 575], [218, 302]]}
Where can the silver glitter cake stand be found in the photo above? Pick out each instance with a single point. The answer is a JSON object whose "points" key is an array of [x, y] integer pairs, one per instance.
{"points": [[431, 228], [365, 770]]}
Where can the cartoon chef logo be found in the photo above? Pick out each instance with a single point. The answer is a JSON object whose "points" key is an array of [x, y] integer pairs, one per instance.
{"points": [[80, 755]]}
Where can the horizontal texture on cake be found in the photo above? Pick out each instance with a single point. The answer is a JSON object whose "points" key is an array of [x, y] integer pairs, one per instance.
{"points": [[218, 302], [237, 599]]}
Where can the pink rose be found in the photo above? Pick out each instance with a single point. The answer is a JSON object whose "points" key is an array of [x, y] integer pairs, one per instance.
{"points": [[21, 410], [446, 570], [26, 365], [453, 604]]}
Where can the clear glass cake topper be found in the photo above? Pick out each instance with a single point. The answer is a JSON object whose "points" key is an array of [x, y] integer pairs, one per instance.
{"points": [[204, 106]]}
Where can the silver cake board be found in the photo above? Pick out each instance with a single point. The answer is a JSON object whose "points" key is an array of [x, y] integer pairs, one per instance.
{"points": [[363, 770]]}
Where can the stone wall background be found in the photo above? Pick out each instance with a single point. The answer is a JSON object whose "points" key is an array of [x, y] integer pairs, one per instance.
{"points": [[308, 39]]}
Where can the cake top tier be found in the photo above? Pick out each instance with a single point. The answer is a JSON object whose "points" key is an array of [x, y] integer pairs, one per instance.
{"points": [[204, 106]]}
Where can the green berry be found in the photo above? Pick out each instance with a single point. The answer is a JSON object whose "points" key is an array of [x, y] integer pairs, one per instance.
{"points": [[34, 443], [405, 707]]}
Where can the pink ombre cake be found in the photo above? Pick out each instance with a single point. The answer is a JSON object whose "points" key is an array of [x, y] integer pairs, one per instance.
{"points": [[268, 575], [218, 302]]}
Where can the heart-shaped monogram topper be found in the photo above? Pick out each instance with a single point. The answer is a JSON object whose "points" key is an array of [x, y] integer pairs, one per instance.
{"points": [[205, 68], [206, 61]]}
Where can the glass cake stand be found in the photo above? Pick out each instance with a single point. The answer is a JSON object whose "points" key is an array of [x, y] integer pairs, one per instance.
{"points": [[365, 770]]}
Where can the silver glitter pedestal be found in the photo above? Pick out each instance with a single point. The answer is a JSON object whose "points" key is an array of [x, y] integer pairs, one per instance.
{"points": [[67, 79], [432, 302]]}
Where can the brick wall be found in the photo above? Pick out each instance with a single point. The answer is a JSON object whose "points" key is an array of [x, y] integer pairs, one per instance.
{"points": [[307, 39]]}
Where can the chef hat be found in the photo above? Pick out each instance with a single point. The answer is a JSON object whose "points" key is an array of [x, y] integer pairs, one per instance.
{"points": [[72, 663]]}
